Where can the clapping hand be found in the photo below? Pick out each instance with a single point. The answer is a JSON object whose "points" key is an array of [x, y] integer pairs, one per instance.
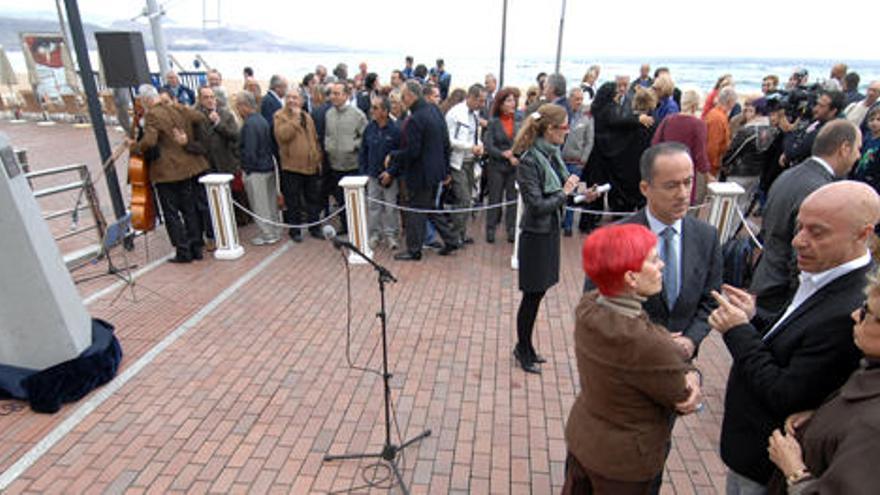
{"points": [[179, 136]]}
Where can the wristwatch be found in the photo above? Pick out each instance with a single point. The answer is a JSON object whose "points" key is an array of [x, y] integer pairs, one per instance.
{"points": [[798, 476]]}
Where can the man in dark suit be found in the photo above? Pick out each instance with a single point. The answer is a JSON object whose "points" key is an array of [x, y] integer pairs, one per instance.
{"points": [[271, 103], [423, 162], [692, 253], [835, 150], [791, 362]]}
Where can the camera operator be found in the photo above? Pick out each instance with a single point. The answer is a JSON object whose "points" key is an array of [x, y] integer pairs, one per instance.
{"points": [[799, 143], [769, 91]]}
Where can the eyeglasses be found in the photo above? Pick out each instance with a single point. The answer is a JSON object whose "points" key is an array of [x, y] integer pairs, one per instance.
{"points": [[563, 127]]}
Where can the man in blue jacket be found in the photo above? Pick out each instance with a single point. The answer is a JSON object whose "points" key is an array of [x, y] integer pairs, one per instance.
{"points": [[381, 137], [258, 167], [183, 94], [423, 162]]}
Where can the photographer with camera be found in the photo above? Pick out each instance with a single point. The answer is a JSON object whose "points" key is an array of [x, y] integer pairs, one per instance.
{"points": [[799, 143]]}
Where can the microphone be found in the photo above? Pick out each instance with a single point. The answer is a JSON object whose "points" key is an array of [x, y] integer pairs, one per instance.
{"points": [[330, 234]]}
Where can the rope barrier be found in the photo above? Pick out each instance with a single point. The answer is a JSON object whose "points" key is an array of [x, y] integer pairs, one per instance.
{"points": [[287, 225], [424, 210], [451, 210], [748, 228], [500, 205]]}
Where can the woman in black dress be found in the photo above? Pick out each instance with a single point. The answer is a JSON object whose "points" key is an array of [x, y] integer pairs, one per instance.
{"points": [[544, 184]]}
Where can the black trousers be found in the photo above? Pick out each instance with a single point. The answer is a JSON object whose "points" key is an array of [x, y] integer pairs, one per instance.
{"points": [[501, 180], [201, 196], [182, 221], [525, 321], [302, 196], [423, 198]]}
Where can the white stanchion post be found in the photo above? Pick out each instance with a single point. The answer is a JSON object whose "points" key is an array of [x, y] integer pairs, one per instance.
{"points": [[723, 198], [514, 258], [222, 216], [355, 188]]}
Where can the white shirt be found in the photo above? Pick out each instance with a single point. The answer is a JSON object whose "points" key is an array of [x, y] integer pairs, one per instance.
{"points": [[824, 164], [275, 95], [463, 125], [657, 227], [856, 112], [810, 283]]}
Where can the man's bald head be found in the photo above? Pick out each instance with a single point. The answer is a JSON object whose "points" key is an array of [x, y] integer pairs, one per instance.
{"points": [[855, 202], [834, 225]]}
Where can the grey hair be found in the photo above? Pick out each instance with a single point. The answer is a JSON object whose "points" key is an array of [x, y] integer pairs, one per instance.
{"points": [[414, 87], [727, 96], [247, 99], [574, 90], [556, 82], [476, 90], [147, 91], [275, 81]]}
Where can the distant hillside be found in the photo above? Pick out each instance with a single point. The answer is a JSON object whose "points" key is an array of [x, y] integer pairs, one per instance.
{"points": [[176, 38]]}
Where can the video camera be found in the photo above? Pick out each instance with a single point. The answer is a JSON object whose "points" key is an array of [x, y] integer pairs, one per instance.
{"points": [[797, 102]]}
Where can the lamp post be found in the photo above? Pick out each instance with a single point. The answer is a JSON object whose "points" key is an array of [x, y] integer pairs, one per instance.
{"points": [[559, 44]]}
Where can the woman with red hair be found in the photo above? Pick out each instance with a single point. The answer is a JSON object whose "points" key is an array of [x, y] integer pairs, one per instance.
{"points": [[632, 375]]}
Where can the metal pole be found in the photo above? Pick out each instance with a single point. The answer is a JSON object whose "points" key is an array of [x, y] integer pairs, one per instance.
{"points": [[503, 42], [65, 31], [91, 90], [155, 16], [559, 45]]}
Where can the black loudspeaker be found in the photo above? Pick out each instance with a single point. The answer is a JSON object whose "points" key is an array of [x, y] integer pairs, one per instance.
{"points": [[123, 58]]}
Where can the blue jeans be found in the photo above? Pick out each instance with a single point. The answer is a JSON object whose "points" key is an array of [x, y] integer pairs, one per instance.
{"points": [[568, 219]]}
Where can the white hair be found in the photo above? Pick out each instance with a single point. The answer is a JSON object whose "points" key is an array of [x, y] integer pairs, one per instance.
{"points": [[147, 91]]}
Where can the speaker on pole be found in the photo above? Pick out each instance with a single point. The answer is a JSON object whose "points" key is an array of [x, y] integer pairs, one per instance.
{"points": [[123, 58]]}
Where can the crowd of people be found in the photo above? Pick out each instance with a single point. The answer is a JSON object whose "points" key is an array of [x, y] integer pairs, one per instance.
{"points": [[806, 154]]}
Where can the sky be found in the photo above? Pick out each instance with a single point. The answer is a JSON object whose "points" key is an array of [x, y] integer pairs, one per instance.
{"points": [[683, 28]]}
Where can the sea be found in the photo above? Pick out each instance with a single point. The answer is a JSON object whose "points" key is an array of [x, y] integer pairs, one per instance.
{"points": [[520, 71]]}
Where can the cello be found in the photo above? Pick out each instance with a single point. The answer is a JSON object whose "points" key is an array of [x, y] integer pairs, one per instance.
{"points": [[143, 201]]}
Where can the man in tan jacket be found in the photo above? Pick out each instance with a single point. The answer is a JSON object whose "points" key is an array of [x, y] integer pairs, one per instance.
{"points": [[175, 169]]}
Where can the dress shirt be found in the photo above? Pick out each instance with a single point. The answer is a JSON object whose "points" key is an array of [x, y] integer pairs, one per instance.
{"points": [[657, 227], [810, 283], [825, 164]]}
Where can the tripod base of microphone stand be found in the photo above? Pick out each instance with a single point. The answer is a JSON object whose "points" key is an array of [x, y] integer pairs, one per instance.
{"points": [[388, 454]]}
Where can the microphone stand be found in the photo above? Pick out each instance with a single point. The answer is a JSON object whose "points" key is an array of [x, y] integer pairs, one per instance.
{"points": [[389, 450]]}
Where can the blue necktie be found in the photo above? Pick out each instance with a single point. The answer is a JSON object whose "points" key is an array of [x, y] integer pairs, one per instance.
{"points": [[670, 271]]}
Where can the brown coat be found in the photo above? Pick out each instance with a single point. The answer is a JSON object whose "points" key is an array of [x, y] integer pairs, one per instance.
{"points": [[631, 376], [174, 163], [839, 443], [297, 142]]}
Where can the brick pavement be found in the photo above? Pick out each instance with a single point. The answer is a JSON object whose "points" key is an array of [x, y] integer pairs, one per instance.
{"points": [[253, 396]]}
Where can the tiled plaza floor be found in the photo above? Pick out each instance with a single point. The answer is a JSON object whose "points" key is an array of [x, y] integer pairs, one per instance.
{"points": [[250, 387]]}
